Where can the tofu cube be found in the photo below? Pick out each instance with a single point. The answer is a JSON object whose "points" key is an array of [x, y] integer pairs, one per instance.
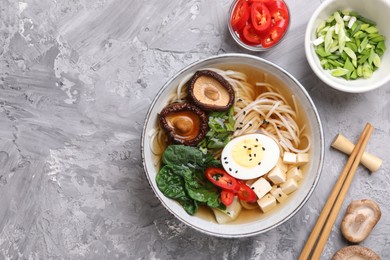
{"points": [[282, 165], [276, 175], [230, 213], [279, 195], [267, 203], [261, 187], [302, 158], [289, 158], [294, 173], [289, 186]]}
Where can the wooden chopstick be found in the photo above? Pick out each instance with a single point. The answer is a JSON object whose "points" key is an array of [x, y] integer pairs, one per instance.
{"points": [[335, 200]]}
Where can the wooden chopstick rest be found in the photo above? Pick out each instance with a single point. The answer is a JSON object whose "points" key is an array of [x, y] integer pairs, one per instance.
{"points": [[371, 162]]}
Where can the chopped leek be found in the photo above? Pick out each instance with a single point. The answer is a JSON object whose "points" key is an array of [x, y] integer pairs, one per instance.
{"points": [[349, 45]]}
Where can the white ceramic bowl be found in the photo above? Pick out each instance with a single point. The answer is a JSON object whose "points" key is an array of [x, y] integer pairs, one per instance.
{"points": [[376, 10], [284, 211]]}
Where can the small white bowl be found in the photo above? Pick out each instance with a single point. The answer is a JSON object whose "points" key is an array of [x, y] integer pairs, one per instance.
{"points": [[262, 223], [376, 10]]}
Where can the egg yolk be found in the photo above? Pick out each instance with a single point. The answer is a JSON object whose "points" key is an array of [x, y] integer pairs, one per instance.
{"points": [[248, 153]]}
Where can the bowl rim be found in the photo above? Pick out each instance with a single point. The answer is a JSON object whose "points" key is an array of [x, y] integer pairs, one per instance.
{"points": [[313, 60], [318, 170], [259, 47]]}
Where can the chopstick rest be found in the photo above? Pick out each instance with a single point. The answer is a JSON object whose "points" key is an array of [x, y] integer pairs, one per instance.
{"points": [[371, 162]]}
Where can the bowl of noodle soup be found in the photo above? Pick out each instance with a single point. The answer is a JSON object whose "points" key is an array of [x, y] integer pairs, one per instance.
{"points": [[268, 100]]}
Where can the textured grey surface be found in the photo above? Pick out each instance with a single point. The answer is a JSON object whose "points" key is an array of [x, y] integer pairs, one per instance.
{"points": [[76, 80]]}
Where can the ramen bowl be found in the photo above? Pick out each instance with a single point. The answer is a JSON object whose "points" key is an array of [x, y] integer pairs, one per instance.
{"points": [[249, 225]]}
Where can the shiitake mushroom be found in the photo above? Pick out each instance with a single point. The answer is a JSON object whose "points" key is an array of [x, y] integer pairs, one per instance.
{"points": [[359, 220], [210, 91], [184, 123], [355, 252]]}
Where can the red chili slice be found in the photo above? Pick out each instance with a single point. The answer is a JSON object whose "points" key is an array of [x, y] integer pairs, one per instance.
{"points": [[221, 178], [275, 34], [227, 197], [266, 2], [240, 15], [260, 17], [251, 35], [245, 193], [278, 10]]}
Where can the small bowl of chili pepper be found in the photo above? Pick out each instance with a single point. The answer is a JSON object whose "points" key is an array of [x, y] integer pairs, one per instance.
{"points": [[258, 25]]}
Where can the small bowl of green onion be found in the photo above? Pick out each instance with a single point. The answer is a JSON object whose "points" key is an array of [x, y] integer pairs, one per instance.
{"points": [[346, 44]]}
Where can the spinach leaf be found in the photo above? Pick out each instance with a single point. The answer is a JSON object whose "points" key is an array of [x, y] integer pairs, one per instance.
{"points": [[188, 156], [171, 183], [201, 192], [182, 177]]}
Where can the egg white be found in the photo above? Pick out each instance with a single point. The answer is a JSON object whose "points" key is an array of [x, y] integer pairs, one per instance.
{"points": [[269, 160]]}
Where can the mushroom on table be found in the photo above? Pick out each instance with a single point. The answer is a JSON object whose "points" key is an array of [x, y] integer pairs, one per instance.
{"points": [[360, 219], [355, 252]]}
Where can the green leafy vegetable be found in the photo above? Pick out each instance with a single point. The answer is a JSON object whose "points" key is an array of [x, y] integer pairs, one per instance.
{"points": [[188, 156], [172, 185], [349, 45], [181, 177]]}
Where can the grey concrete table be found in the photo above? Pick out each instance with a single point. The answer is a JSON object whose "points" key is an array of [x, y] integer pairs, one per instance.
{"points": [[76, 80]]}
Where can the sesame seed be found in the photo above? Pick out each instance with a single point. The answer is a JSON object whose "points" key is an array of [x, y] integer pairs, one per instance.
{"points": [[263, 148], [225, 158], [241, 123], [257, 139], [250, 155], [244, 146], [244, 113], [236, 171], [230, 169], [256, 145], [250, 159], [226, 162], [250, 124], [252, 188], [254, 155], [259, 163], [249, 148]]}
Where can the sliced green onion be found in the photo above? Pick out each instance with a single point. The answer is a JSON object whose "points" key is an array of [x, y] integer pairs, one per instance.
{"points": [[328, 39], [367, 71], [349, 45], [351, 22], [318, 41], [377, 60], [350, 53], [339, 72]]}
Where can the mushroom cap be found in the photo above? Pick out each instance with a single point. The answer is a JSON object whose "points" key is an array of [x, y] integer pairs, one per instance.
{"points": [[360, 218], [210, 91], [184, 123], [355, 253]]}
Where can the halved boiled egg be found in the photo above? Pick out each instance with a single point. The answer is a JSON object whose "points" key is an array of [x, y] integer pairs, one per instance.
{"points": [[250, 156]]}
